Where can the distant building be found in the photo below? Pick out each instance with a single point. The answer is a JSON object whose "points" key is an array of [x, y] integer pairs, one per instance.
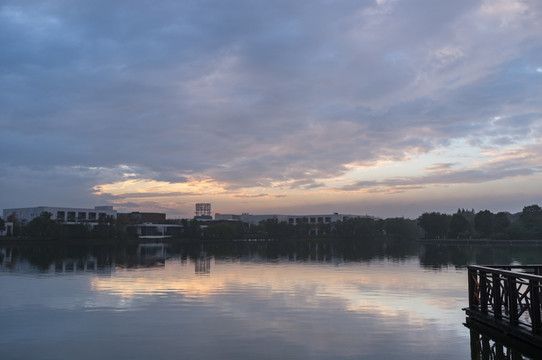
{"points": [[141, 217], [155, 231], [62, 214], [256, 219], [219, 216], [148, 225], [298, 219], [203, 211]]}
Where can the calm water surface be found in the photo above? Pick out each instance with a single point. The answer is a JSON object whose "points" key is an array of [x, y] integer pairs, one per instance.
{"points": [[239, 301]]}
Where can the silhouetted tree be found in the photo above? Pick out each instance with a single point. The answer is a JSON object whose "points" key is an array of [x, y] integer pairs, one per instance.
{"points": [[42, 227], [501, 222], [325, 229], [483, 223], [531, 220], [401, 228], [459, 226], [357, 228], [106, 228], [531, 216], [76, 231], [191, 228], [223, 231], [469, 215], [273, 227], [434, 224]]}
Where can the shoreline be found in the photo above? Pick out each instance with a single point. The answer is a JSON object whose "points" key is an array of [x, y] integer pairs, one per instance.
{"points": [[479, 242]]}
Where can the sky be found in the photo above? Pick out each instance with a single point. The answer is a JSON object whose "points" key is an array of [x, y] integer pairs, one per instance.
{"points": [[385, 107]]}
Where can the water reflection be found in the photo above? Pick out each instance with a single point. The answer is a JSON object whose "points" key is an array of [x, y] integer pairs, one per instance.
{"points": [[487, 344], [203, 265], [238, 300], [436, 256], [82, 258]]}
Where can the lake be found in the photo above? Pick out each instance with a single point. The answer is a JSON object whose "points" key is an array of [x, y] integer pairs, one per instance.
{"points": [[242, 300]]}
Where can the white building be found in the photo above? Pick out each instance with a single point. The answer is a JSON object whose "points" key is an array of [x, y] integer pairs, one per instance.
{"points": [[62, 214], [219, 216], [155, 231], [298, 219]]}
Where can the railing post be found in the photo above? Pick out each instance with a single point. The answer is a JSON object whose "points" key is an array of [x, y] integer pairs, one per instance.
{"points": [[483, 291], [497, 301], [535, 305], [472, 288], [513, 300]]}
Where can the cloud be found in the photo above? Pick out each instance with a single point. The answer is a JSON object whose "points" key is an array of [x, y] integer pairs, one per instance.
{"points": [[440, 167], [259, 196], [152, 195], [259, 98], [520, 162], [128, 205]]}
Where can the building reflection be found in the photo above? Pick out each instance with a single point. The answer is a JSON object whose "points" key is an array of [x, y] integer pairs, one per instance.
{"points": [[65, 258], [52, 260], [6, 255], [202, 264], [74, 265], [488, 344], [48, 259], [155, 250]]}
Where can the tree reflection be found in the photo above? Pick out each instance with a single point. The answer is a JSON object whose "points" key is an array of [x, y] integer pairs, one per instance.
{"points": [[42, 257], [436, 256]]}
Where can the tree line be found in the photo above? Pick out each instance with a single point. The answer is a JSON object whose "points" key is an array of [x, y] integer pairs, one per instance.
{"points": [[44, 227], [466, 224], [363, 228]]}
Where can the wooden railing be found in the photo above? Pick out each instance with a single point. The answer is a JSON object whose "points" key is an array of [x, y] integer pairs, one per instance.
{"points": [[507, 295]]}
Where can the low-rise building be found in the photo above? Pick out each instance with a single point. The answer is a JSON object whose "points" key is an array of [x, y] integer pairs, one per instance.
{"points": [[61, 214], [155, 231], [219, 216], [299, 219], [137, 217]]}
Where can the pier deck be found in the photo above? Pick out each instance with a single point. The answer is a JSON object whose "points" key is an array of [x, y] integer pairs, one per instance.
{"points": [[507, 299]]}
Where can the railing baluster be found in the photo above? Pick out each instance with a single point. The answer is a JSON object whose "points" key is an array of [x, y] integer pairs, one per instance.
{"points": [[513, 300], [497, 301], [483, 291], [473, 304]]}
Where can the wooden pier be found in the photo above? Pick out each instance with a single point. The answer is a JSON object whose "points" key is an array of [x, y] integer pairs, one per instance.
{"points": [[507, 299]]}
